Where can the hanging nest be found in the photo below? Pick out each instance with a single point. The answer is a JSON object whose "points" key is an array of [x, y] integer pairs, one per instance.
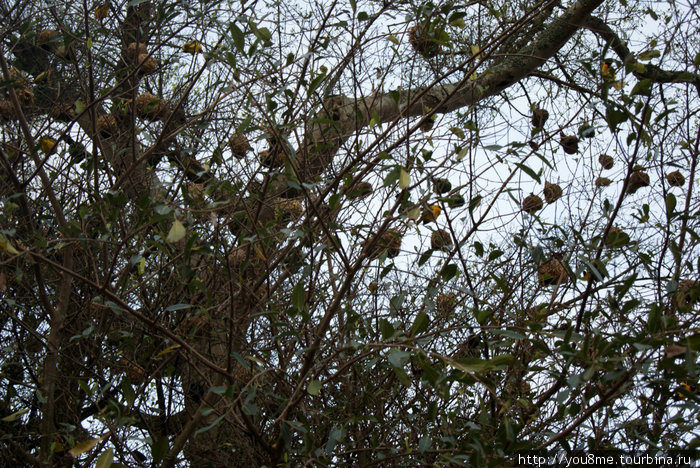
{"points": [[441, 185], [552, 192], [532, 203], [239, 145], [147, 64], [48, 38], [602, 182], [358, 190], [445, 303], [134, 49], [390, 241], [687, 294], [107, 125], [150, 107], [606, 161], [552, 272], [616, 238], [63, 112], [455, 201], [22, 88], [7, 111], [675, 179], [539, 118], [569, 144], [638, 179], [422, 42], [427, 124], [272, 159], [288, 210], [440, 240]]}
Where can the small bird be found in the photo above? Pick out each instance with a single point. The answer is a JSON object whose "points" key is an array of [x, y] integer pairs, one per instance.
{"points": [[607, 71], [682, 391], [430, 214], [47, 144], [192, 47]]}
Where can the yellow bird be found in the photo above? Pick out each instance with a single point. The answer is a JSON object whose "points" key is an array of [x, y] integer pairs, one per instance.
{"points": [[47, 144], [607, 71], [192, 47], [430, 214]]}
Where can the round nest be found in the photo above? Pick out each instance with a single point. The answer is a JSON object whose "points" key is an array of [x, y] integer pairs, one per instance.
{"points": [[7, 111], [455, 201], [616, 238], [532, 203], [272, 159], [63, 112], [107, 125], [638, 179], [134, 49], [606, 161], [602, 182], [675, 179], [147, 65], [440, 240], [149, 106], [48, 37], [441, 185], [552, 272], [358, 190], [288, 210], [687, 294], [421, 41], [539, 117], [390, 241], [239, 145], [569, 144], [552, 192], [445, 303]]}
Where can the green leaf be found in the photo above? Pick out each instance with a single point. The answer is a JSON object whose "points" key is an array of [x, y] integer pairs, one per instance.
{"points": [[670, 205], [159, 449], [177, 232], [386, 328], [642, 88], [529, 172], [614, 118], [299, 296], [393, 39], [448, 271], [647, 55], [316, 82], [14, 416], [420, 324], [404, 179], [458, 132], [105, 459], [424, 444], [391, 178], [314, 387], [238, 37], [398, 358]]}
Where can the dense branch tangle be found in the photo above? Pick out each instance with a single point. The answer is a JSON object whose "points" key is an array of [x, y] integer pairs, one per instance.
{"points": [[196, 204]]}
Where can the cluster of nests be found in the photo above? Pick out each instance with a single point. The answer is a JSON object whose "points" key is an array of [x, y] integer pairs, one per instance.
{"points": [[569, 144], [23, 91]]}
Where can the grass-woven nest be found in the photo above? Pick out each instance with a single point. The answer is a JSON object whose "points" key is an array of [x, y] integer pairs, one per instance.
{"points": [[532, 203], [389, 241], [552, 192], [440, 240], [552, 272]]}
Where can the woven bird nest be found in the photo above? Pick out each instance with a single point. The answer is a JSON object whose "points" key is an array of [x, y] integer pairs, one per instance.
{"points": [[445, 303], [422, 41], [602, 182], [288, 210], [638, 179], [532, 203], [441, 185], [675, 179], [539, 117], [606, 161], [134, 49], [389, 242], [107, 125], [147, 64], [7, 111], [272, 159], [239, 145], [687, 294], [455, 201], [358, 190], [440, 240], [616, 238], [552, 192], [552, 272], [149, 106], [569, 144], [63, 112]]}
